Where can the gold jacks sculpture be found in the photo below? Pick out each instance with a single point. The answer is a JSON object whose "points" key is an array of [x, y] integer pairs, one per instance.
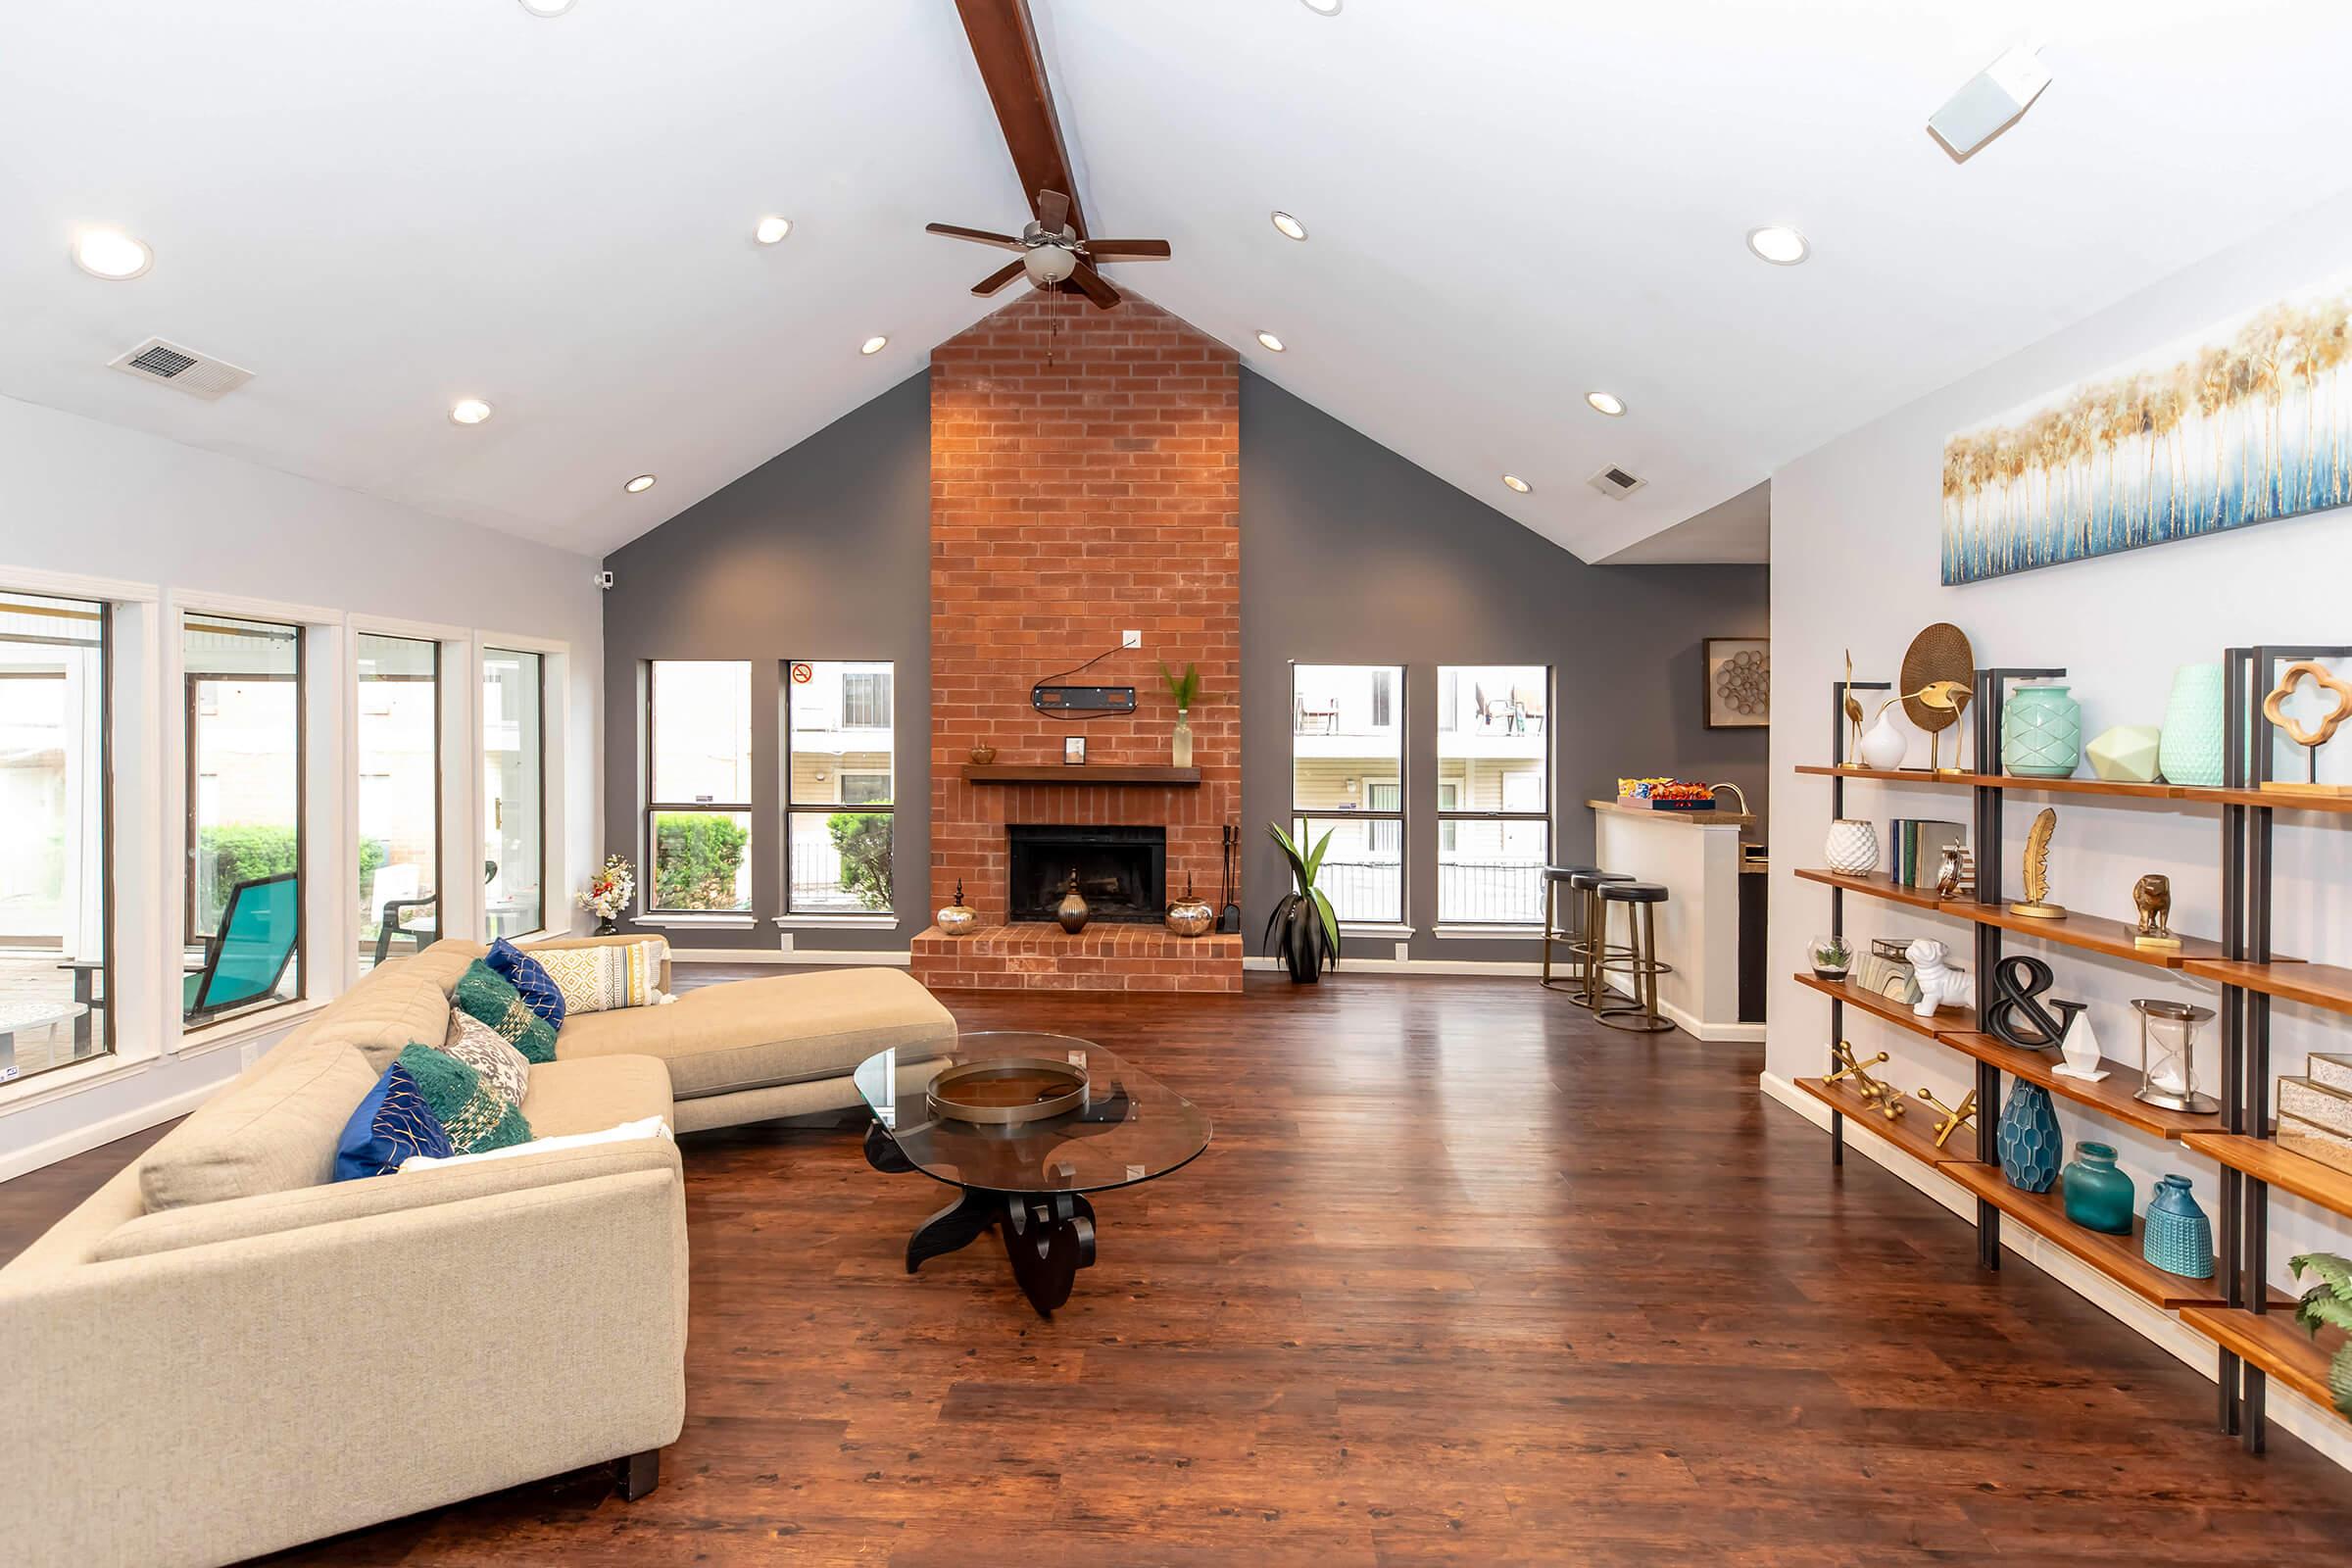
{"points": [[1885, 1098], [1953, 1117]]}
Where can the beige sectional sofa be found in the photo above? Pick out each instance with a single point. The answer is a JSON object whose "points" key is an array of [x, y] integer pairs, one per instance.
{"points": [[224, 1352]]}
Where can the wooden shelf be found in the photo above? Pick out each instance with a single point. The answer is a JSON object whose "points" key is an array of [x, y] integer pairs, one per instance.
{"points": [[2116, 1256], [1911, 1131], [2317, 984], [1888, 1011], [2094, 932], [1877, 885], [1080, 773], [2111, 1095], [2192, 794], [2263, 1160], [2275, 1344]]}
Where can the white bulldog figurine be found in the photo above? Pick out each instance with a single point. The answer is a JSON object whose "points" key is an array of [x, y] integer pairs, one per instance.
{"points": [[1939, 984]]}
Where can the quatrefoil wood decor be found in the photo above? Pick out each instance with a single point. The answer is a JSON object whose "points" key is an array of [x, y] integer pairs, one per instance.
{"points": [[2274, 709]]}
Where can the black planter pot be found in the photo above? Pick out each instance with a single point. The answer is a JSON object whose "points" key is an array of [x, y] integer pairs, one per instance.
{"points": [[605, 928], [1298, 936]]}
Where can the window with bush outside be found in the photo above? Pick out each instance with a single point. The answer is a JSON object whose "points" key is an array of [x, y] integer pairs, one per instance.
{"points": [[54, 834], [699, 783], [244, 844], [1493, 797], [839, 787], [1348, 780]]}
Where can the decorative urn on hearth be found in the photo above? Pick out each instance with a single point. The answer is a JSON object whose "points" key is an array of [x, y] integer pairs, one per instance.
{"points": [[958, 919], [1072, 912], [1188, 916]]}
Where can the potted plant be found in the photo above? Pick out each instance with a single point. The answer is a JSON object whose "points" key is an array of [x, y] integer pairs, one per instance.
{"points": [[1831, 958], [1184, 690], [609, 890], [1304, 929], [2329, 1304]]}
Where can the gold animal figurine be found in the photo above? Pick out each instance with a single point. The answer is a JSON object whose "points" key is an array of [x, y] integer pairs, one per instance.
{"points": [[1954, 1117], [2037, 903], [1885, 1098], [1853, 711], [1957, 878], [2152, 896]]}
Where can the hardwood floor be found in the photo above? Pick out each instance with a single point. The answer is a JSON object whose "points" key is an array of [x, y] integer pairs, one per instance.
{"points": [[1463, 1278]]}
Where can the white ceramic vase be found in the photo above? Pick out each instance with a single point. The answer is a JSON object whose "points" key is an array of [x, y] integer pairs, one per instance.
{"points": [[1883, 744], [1853, 847]]}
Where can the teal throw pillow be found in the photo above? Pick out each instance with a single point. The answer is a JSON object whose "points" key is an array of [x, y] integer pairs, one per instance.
{"points": [[485, 994], [475, 1115]]}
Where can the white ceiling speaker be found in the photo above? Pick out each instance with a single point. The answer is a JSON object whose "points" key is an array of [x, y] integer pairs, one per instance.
{"points": [[182, 369], [1613, 481], [1990, 101]]}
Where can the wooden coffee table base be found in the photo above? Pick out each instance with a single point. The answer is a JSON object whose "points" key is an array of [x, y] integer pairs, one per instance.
{"points": [[1049, 1236]]}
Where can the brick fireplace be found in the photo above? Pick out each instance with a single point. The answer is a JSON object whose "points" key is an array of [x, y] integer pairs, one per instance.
{"points": [[1085, 481]]}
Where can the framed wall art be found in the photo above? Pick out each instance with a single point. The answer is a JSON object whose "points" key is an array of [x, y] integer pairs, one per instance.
{"points": [[1739, 682]]}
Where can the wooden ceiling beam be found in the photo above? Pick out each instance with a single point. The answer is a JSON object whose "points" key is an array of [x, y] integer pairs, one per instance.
{"points": [[1005, 46]]}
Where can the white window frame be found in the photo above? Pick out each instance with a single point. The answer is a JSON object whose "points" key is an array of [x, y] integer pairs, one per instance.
{"points": [[1546, 812], [460, 895], [870, 919], [1300, 822], [559, 857]]}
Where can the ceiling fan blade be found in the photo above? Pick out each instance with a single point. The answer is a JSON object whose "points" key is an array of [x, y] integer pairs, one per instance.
{"points": [[998, 279], [1053, 210], [1090, 283], [1128, 250], [980, 236]]}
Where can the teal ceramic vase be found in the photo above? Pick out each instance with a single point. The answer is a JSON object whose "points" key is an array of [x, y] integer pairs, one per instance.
{"points": [[2098, 1196], [2179, 1238], [2028, 1138], [2189, 747], [2042, 732]]}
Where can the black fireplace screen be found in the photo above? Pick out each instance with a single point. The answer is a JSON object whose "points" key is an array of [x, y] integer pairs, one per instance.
{"points": [[1122, 872]]}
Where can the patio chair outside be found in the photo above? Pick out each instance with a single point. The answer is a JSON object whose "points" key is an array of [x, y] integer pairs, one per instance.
{"points": [[248, 957]]}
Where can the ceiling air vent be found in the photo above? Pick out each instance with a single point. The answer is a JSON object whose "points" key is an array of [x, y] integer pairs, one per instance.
{"points": [[1615, 481], [182, 369]]}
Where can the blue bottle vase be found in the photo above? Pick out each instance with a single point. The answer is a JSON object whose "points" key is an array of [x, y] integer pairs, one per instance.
{"points": [[2030, 1139], [2179, 1238], [2098, 1196]]}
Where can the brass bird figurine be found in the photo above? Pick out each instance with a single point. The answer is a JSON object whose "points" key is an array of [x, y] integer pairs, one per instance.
{"points": [[1853, 710]]}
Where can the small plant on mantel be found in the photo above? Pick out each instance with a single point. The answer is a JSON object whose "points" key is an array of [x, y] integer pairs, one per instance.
{"points": [[1184, 690], [2329, 1304], [1304, 929]]}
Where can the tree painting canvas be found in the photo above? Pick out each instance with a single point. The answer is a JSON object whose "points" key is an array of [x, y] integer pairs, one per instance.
{"points": [[2245, 422]]}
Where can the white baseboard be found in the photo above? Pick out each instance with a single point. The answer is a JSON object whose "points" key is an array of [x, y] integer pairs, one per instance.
{"points": [[81, 1140], [833, 957], [1713, 1033], [2320, 1428], [1413, 965]]}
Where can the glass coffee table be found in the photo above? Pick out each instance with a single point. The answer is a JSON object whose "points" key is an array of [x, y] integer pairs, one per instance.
{"points": [[1028, 1179]]}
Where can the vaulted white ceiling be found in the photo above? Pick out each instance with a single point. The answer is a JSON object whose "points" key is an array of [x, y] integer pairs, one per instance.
{"points": [[381, 207]]}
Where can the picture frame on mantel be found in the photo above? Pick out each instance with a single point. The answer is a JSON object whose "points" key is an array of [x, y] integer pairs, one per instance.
{"points": [[1073, 749], [1739, 682]]}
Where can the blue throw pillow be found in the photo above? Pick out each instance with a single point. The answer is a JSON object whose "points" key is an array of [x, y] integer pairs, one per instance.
{"points": [[529, 977], [392, 1123]]}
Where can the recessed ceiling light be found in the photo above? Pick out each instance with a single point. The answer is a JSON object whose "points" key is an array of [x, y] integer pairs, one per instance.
{"points": [[1605, 403], [873, 345], [639, 485], [1322, 8], [547, 8], [1517, 483], [1779, 244], [110, 254], [1270, 341], [469, 410], [771, 229], [1290, 225]]}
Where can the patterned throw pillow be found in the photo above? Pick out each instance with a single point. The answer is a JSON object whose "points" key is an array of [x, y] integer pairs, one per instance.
{"points": [[475, 1115], [482, 992], [599, 979], [393, 1122], [481, 1048], [523, 972]]}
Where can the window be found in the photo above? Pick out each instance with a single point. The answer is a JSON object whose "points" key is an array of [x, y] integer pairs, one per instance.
{"points": [[514, 792], [399, 726], [56, 808], [1493, 796], [699, 786], [838, 725], [243, 925], [1347, 778]]}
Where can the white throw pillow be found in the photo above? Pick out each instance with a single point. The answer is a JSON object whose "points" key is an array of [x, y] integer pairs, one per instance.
{"points": [[610, 975], [626, 1132], [504, 1069]]}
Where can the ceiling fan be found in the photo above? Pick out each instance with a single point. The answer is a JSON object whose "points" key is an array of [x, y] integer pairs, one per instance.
{"points": [[1054, 255]]}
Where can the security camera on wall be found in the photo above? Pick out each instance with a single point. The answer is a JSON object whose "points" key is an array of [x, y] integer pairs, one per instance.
{"points": [[604, 579]]}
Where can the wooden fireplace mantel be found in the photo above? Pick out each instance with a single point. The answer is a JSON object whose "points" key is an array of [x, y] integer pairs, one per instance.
{"points": [[1081, 774]]}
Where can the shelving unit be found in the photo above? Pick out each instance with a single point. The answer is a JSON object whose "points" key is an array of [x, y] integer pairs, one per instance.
{"points": [[2251, 1326]]}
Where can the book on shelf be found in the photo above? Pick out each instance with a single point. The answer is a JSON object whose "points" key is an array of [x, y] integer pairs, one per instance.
{"points": [[1887, 977], [1916, 845]]}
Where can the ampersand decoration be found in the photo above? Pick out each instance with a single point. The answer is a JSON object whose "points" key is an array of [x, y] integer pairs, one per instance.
{"points": [[2015, 1015]]}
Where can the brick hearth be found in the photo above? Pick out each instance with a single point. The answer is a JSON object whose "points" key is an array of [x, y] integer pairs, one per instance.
{"points": [[1085, 479]]}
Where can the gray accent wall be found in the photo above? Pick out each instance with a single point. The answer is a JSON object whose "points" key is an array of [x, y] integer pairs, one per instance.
{"points": [[1350, 554]]}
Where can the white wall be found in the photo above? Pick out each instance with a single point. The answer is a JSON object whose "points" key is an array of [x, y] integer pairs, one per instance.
{"points": [[1854, 549], [94, 500]]}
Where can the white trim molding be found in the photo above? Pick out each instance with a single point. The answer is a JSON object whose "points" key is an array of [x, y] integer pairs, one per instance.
{"points": [[837, 957]]}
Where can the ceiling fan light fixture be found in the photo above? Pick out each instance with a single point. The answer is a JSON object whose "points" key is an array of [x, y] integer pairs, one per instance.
{"points": [[112, 255], [1607, 403], [1270, 342], [1513, 481], [469, 410], [639, 485], [874, 345], [1779, 244], [1047, 265], [1290, 227], [771, 229]]}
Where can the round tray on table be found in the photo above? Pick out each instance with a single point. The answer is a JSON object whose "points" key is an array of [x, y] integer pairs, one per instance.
{"points": [[1008, 1091]]}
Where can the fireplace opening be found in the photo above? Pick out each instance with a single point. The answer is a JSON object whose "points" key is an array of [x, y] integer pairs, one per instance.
{"points": [[1122, 871]]}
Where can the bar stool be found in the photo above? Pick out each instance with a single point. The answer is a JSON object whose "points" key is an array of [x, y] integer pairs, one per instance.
{"points": [[1640, 964], [1591, 945], [1556, 877]]}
